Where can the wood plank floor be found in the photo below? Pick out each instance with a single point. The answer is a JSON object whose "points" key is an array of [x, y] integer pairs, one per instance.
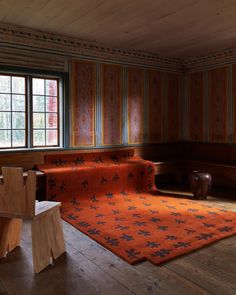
{"points": [[88, 268]]}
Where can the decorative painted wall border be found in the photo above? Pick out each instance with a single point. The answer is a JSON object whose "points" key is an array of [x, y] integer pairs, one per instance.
{"points": [[21, 36], [213, 60]]}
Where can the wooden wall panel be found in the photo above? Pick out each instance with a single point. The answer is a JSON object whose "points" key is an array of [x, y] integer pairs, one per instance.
{"points": [[173, 109], [112, 104], [28, 159], [155, 113], [32, 60], [218, 104], [216, 158], [135, 105], [211, 152], [83, 103], [196, 110]]}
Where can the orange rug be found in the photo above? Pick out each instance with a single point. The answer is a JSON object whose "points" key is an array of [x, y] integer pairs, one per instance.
{"points": [[114, 201]]}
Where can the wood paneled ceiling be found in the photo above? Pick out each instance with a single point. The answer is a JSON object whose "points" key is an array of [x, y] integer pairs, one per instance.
{"points": [[174, 28]]}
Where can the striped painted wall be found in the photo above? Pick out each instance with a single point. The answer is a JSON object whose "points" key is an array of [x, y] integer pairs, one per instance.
{"points": [[173, 107], [112, 88], [135, 105], [128, 105], [155, 94], [210, 105], [83, 89]]}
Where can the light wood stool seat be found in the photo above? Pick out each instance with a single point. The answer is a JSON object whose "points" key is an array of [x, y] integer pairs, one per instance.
{"points": [[17, 201], [44, 206]]}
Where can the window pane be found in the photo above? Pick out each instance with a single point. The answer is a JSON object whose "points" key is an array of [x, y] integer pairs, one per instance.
{"points": [[5, 138], [38, 104], [5, 102], [51, 87], [18, 138], [38, 120], [38, 86], [39, 137], [18, 103], [51, 120], [18, 120], [51, 104], [18, 85], [5, 84], [51, 137], [14, 126], [5, 120]]}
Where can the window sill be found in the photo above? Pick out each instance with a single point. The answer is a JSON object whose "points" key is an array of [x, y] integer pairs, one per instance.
{"points": [[38, 149]]}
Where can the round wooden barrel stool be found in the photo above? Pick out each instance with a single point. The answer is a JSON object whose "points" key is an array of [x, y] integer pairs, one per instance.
{"points": [[200, 183]]}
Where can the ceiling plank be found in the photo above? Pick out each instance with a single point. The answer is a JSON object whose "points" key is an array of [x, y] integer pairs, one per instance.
{"points": [[177, 28]]}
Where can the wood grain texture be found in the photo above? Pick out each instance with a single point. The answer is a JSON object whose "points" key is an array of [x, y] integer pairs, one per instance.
{"points": [[214, 153], [10, 234], [17, 200], [210, 152], [33, 60], [83, 103], [29, 159], [112, 104], [215, 158], [135, 105], [171, 29], [47, 235], [88, 268]]}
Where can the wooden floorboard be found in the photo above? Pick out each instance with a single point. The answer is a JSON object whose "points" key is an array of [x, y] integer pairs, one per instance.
{"points": [[88, 268]]}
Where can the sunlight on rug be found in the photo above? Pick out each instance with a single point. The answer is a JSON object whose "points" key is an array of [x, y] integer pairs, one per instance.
{"points": [[116, 204]]}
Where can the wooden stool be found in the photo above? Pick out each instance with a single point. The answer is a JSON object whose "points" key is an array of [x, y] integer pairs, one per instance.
{"points": [[10, 234], [17, 201]]}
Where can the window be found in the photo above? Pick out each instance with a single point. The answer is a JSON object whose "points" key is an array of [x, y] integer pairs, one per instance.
{"points": [[29, 111], [45, 112]]}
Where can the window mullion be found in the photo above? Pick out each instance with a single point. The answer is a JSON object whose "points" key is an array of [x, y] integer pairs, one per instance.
{"points": [[45, 114], [29, 112], [11, 112]]}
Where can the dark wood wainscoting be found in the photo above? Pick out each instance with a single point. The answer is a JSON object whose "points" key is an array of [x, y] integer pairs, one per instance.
{"points": [[154, 152], [218, 159], [210, 152], [172, 159]]}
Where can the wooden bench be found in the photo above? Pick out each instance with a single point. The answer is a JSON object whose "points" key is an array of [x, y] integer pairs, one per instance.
{"points": [[161, 168], [168, 167]]}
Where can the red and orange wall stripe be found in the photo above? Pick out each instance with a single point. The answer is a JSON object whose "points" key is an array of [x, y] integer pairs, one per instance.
{"points": [[115, 104]]}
